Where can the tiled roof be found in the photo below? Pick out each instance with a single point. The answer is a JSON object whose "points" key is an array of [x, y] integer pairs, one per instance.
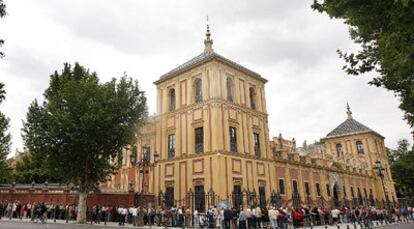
{"points": [[350, 126], [204, 57]]}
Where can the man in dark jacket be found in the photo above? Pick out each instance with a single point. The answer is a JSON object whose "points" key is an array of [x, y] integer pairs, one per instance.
{"points": [[228, 214]]}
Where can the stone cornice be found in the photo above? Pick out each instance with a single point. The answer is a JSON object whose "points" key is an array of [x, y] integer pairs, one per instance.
{"points": [[213, 102], [271, 160]]}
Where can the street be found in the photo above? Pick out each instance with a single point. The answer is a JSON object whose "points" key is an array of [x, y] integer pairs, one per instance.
{"points": [[26, 225]]}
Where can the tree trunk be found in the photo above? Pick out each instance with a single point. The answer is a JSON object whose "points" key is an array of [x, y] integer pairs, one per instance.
{"points": [[81, 217]]}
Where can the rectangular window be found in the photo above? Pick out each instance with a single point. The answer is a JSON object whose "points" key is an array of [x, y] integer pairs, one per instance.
{"points": [[352, 192], [328, 190], [134, 156], [307, 189], [169, 197], [121, 158], [281, 187], [146, 155], [171, 146], [359, 196], [318, 189], [365, 193], [295, 186], [256, 141], [199, 140], [233, 139], [344, 191]]}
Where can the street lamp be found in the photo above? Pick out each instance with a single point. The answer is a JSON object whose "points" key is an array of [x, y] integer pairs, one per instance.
{"points": [[142, 165], [380, 172]]}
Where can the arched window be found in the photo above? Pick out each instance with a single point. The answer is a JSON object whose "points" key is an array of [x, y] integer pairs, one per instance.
{"points": [[229, 85], [339, 150], [252, 95], [360, 147], [198, 84], [172, 99]]}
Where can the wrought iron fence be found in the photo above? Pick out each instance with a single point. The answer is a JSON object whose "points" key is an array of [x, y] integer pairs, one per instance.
{"points": [[246, 198]]}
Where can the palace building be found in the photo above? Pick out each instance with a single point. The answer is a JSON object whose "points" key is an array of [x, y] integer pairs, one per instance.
{"points": [[210, 134]]}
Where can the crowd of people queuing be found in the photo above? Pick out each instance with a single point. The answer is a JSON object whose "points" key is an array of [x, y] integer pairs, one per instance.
{"points": [[37, 212], [224, 217]]}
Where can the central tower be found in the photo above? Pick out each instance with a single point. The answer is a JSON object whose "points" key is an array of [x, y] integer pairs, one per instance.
{"points": [[211, 129]]}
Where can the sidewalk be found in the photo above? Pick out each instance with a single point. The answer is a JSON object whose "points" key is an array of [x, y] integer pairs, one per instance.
{"points": [[109, 224], [115, 224]]}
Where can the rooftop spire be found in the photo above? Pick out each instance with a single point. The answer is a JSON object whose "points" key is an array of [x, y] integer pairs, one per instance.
{"points": [[348, 111], [208, 42]]}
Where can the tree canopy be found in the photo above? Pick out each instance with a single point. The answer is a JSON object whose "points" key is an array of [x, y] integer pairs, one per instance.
{"points": [[2, 14], [384, 30], [82, 125], [402, 169], [34, 168], [5, 138]]}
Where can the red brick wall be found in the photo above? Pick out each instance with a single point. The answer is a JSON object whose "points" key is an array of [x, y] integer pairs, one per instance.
{"points": [[64, 196]]}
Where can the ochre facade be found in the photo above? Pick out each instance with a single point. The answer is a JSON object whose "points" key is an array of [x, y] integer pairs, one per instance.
{"points": [[211, 132]]}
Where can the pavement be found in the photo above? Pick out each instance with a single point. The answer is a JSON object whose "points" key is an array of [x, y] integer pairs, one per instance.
{"points": [[61, 224]]}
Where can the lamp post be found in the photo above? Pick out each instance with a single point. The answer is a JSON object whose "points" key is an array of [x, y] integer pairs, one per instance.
{"points": [[380, 172], [142, 165]]}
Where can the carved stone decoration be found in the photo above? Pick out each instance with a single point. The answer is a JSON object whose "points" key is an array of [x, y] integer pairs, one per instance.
{"points": [[334, 179]]}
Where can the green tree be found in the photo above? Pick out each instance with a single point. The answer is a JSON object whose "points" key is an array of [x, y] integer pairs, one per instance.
{"points": [[402, 169], [384, 30], [5, 171], [2, 14], [82, 125], [402, 149], [34, 168], [28, 170]]}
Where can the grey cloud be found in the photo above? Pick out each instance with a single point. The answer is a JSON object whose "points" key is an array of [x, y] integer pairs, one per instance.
{"points": [[285, 41]]}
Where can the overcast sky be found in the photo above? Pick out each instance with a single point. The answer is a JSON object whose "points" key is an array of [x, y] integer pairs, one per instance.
{"points": [[284, 41]]}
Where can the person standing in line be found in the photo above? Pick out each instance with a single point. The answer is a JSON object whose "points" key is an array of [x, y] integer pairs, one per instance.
{"points": [[273, 214], [335, 215], [221, 217], [344, 214], [9, 211], [196, 219], [134, 213], [242, 219], [1, 209], [18, 210], [227, 217], [258, 214], [188, 217], [122, 214], [248, 213]]}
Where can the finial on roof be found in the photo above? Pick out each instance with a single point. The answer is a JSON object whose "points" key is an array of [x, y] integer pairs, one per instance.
{"points": [[208, 42], [348, 111]]}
